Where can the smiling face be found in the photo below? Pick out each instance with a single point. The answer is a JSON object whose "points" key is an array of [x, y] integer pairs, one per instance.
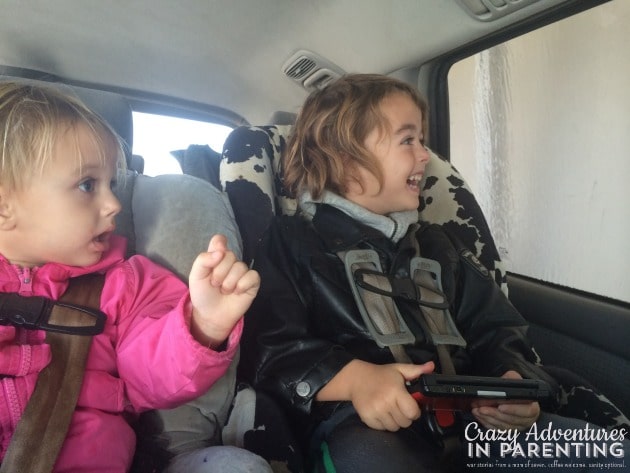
{"points": [[400, 152], [64, 214]]}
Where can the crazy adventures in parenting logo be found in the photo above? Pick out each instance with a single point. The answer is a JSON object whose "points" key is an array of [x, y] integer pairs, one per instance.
{"points": [[587, 446]]}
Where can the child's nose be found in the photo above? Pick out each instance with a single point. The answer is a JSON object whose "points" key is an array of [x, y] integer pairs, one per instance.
{"points": [[423, 154], [112, 205]]}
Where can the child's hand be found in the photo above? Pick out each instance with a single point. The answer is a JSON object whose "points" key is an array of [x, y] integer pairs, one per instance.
{"points": [[518, 415], [221, 290], [381, 398], [378, 392]]}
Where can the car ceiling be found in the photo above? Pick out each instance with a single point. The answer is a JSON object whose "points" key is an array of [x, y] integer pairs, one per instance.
{"points": [[229, 54]]}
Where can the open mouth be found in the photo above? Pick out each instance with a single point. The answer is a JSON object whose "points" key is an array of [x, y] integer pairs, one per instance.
{"points": [[414, 181], [102, 238]]}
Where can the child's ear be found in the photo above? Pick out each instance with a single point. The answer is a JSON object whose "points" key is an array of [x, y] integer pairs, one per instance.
{"points": [[352, 185], [7, 220]]}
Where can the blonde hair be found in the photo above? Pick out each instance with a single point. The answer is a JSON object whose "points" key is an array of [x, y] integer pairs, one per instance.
{"points": [[32, 118], [327, 141]]}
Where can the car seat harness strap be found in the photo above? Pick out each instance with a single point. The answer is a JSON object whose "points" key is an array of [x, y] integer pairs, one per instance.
{"points": [[375, 292], [372, 291], [42, 429]]}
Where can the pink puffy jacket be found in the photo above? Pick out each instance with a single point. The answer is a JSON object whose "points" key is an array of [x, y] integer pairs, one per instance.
{"points": [[144, 359]]}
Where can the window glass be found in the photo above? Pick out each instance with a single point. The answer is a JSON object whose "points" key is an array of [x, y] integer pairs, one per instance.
{"points": [[539, 127], [156, 136]]}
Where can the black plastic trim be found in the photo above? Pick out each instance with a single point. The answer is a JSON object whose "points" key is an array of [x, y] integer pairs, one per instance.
{"points": [[596, 321], [142, 101]]}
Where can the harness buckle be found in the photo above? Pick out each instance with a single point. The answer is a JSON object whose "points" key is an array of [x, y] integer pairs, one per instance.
{"points": [[41, 313]]}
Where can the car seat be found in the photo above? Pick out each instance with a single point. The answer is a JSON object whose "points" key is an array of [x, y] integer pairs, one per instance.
{"points": [[251, 175], [169, 219], [200, 161]]}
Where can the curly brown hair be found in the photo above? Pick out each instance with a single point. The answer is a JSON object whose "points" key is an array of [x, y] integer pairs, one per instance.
{"points": [[327, 141]]}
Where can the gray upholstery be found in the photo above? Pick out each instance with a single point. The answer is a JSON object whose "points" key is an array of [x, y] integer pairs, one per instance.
{"points": [[114, 109], [171, 218]]}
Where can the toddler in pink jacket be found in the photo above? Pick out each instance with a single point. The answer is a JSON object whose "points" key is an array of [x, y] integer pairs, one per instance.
{"points": [[163, 343]]}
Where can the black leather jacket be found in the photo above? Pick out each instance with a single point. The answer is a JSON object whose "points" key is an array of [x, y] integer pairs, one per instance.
{"points": [[304, 326]]}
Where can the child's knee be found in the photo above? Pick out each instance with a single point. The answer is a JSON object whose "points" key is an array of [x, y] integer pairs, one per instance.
{"points": [[353, 446], [219, 459]]}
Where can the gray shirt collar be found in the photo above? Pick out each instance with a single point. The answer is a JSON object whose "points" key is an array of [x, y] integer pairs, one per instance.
{"points": [[393, 225]]}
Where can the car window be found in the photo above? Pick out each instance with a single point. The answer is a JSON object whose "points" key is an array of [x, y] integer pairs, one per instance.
{"points": [[539, 127], [156, 136]]}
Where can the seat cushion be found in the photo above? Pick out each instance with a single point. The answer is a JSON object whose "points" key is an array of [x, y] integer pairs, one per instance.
{"points": [[171, 218]]}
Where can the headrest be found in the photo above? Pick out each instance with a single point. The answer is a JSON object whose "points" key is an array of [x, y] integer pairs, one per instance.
{"points": [[283, 118], [251, 175], [112, 107]]}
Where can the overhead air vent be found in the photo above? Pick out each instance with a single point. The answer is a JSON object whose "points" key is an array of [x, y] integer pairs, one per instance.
{"points": [[300, 68], [310, 70], [489, 10]]}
